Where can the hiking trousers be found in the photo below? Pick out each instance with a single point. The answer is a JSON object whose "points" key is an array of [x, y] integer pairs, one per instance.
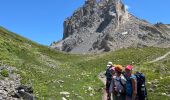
{"points": [[121, 97]]}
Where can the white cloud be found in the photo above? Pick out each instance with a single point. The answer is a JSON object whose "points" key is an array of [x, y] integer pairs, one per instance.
{"points": [[127, 7]]}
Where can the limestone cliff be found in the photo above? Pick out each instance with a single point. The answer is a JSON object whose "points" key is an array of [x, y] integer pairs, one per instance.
{"points": [[105, 25]]}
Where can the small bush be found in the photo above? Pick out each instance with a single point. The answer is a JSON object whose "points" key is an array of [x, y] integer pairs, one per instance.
{"points": [[4, 73]]}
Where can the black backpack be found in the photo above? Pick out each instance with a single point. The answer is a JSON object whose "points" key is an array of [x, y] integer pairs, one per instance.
{"points": [[141, 87], [108, 73]]}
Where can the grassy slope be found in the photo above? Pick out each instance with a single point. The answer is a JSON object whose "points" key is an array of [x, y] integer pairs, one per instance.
{"points": [[42, 67]]}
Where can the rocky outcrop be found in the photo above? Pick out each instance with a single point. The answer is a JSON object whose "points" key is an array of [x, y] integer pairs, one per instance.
{"points": [[10, 86], [164, 28], [8, 83], [105, 25]]}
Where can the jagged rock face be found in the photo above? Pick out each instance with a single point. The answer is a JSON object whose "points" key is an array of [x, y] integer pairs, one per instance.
{"points": [[165, 28], [105, 25]]}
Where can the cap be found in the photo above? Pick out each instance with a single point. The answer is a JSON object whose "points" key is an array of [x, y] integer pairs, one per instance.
{"points": [[129, 67]]}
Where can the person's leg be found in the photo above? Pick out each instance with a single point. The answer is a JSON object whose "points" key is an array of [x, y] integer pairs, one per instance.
{"points": [[123, 97], [128, 98], [114, 97], [109, 96], [107, 90]]}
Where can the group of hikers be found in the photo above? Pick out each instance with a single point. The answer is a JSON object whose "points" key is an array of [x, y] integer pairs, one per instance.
{"points": [[123, 84]]}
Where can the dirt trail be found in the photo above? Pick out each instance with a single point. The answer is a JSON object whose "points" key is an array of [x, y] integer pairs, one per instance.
{"points": [[160, 58], [103, 79]]}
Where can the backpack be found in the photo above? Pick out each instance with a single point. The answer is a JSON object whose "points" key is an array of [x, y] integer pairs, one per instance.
{"points": [[120, 82], [123, 85], [108, 74], [141, 87]]}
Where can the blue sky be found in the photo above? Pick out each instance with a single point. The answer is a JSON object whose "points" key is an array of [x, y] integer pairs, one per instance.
{"points": [[42, 20]]}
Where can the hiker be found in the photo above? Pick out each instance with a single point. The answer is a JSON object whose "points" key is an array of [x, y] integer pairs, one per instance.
{"points": [[131, 83], [108, 79], [118, 84], [112, 81]]}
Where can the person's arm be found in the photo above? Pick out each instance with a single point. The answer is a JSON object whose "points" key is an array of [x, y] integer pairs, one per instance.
{"points": [[134, 87], [106, 72]]}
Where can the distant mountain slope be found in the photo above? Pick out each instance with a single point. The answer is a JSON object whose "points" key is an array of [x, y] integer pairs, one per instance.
{"points": [[51, 72], [165, 28], [106, 25]]}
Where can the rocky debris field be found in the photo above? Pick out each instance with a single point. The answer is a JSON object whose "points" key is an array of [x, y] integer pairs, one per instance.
{"points": [[10, 85]]}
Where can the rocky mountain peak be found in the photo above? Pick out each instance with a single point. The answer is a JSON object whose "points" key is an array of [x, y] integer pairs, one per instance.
{"points": [[94, 11], [104, 25]]}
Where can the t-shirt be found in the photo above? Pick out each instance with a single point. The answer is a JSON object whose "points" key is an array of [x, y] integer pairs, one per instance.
{"points": [[129, 89]]}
